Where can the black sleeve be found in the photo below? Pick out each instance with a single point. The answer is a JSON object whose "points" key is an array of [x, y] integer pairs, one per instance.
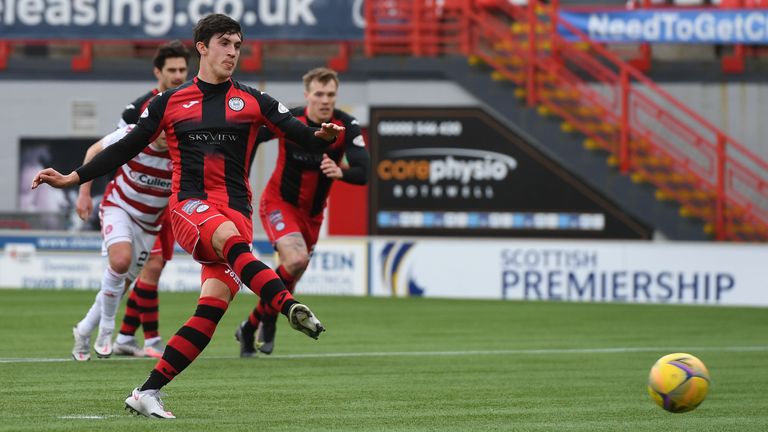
{"points": [[115, 155], [264, 134], [132, 112], [354, 148], [146, 131], [279, 116]]}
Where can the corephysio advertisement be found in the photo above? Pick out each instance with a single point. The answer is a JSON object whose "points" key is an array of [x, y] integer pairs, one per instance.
{"points": [[460, 172]]}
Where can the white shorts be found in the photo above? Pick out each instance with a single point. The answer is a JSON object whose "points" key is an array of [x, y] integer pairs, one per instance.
{"points": [[116, 227]]}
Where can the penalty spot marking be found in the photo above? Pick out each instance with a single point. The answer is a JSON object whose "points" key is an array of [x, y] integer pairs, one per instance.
{"points": [[549, 351]]}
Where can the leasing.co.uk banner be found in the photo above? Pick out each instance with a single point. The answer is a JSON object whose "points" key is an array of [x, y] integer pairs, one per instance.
{"points": [[749, 26], [174, 19]]}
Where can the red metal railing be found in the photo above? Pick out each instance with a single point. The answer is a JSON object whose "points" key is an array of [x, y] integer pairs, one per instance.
{"points": [[650, 134], [420, 28], [251, 60]]}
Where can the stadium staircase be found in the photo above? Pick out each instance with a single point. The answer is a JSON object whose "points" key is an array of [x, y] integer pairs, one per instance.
{"points": [[611, 107]]}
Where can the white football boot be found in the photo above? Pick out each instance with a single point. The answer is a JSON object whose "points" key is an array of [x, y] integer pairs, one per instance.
{"points": [[148, 404], [154, 349], [303, 320], [103, 345], [81, 351], [130, 348]]}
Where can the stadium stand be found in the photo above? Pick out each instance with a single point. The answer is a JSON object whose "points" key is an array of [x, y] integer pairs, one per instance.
{"points": [[647, 134]]}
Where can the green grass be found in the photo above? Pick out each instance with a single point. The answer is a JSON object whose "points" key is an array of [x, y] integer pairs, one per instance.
{"points": [[430, 380]]}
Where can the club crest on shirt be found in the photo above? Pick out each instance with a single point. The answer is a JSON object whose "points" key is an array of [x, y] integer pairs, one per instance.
{"points": [[202, 208], [236, 104], [281, 108], [276, 219], [190, 206]]}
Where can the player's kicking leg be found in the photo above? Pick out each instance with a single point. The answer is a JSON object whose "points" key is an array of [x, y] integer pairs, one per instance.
{"points": [[265, 283]]}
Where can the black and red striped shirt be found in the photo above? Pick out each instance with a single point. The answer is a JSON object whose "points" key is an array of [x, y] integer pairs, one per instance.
{"points": [[297, 178], [211, 133]]}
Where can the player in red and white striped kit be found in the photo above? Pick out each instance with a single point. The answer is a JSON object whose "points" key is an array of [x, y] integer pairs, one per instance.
{"points": [[132, 213]]}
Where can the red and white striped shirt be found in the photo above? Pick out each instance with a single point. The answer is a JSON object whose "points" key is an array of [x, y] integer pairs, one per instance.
{"points": [[142, 186]]}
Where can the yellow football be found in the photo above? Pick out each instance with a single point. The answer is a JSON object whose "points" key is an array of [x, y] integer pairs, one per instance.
{"points": [[678, 382]]}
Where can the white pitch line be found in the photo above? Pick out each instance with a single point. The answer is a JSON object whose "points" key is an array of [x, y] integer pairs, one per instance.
{"points": [[543, 351]]}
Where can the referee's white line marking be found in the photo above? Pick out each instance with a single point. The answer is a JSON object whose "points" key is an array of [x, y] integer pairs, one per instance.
{"points": [[546, 351]]}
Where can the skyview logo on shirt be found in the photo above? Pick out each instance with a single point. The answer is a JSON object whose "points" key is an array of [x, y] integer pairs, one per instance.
{"points": [[212, 138]]}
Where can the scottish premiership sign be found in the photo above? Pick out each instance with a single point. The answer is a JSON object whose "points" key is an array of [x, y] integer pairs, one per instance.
{"points": [[580, 271], [672, 26], [174, 19]]}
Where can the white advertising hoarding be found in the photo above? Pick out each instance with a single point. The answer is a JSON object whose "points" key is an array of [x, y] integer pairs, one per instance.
{"points": [[601, 271], [337, 267], [83, 270], [587, 271]]}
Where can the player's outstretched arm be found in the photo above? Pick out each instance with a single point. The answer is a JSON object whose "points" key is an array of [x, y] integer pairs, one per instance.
{"points": [[308, 137], [329, 131], [115, 155], [281, 118], [54, 178]]}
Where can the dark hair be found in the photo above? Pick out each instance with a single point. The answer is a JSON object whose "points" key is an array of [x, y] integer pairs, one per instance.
{"points": [[215, 24], [171, 49], [321, 74]]}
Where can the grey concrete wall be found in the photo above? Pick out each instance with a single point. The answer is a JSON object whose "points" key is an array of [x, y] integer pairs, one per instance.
{"points": [[91, 109], [64, 109]]}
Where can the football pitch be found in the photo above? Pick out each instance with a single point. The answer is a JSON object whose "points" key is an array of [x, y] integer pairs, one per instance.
{"points": [[395, 364]]}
